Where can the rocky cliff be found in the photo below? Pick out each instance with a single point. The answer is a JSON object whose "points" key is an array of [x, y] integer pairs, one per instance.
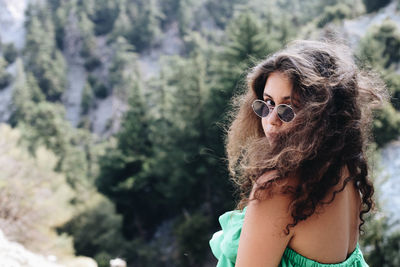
{"points": [[15, 255]]}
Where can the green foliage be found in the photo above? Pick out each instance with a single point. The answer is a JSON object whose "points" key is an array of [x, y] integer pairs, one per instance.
{"points": [[122, 22], [43, 59], [86, 28], [53, 80], [247, 40], [380, 47], [170, 10], [60, 11], [124, 70], [374, 5], [35, 92], [85, 123], [192, 233], [388, 35], [370, 51], [87, 98], [100, 90], [103, 259], [103, 14], [96, 229], [188, 14], [22, 97], [287, 31], [247, 44], [181, 119], [145, 21], [305, 11], [123, 168], [222, 11], [43, 124], [5, 77], [10, 53], [161, 161], [49, 127], [334, 13], [138, 22], [26, 93], [386, 125], [144, 253], [33, 198], [392, 81], [92, 63], [382, 241], [89, 45], [185, 16]]}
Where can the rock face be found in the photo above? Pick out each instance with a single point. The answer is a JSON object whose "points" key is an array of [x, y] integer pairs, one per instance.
{"points": [[354, 29], [12, 30], [390, 187], [76, 74], [15, 255], [6, 97], [12, 18], [105, 116]]}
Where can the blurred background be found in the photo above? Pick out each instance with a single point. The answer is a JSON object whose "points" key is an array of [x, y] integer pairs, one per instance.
{"points": [[112, 116]]}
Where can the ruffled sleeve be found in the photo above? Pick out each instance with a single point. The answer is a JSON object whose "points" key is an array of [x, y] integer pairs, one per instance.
{"points": [[224, 243]]}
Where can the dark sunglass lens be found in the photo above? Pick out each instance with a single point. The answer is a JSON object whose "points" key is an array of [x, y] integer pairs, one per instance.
{"points": [[260, 108], [285, 113]]}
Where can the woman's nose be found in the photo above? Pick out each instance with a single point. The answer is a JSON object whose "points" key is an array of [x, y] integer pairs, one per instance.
{"points": [[273, 118]]}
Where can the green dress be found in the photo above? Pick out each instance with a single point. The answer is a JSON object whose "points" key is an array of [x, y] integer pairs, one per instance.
{"points": [[224, 245]]}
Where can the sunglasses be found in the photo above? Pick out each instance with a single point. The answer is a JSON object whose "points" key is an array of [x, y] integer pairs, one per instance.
{"points": [[262, 110]]}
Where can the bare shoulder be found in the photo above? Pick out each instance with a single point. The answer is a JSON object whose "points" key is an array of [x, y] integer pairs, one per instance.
{"points": [[264, 230], [276, 204]]}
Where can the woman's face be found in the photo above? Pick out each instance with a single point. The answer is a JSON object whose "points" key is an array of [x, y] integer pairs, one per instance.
{"points": [[277, 90]]}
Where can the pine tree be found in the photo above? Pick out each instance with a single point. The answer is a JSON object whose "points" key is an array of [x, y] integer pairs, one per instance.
{"points": [[124, 174], [87, 98], [122, 23], [380, 47], [103, 14], [246, 39], [388, 35], [5, 77], [43, 59], [145, 17], [10, 53], [21, 96], [386, 125], [222, 11], [392, 80], [25, 94], [374, 5], [124, 70]]}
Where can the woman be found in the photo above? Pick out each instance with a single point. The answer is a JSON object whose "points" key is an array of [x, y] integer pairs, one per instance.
{"points": [[296, 149]]}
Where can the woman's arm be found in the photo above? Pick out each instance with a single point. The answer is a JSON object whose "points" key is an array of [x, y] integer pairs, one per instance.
{"points": [[262, 240]]}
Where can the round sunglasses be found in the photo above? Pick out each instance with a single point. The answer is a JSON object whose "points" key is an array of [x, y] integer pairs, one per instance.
{"points": [[262, 110]]}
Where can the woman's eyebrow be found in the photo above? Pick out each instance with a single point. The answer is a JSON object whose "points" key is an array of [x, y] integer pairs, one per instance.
{"points": [[283, 98]]}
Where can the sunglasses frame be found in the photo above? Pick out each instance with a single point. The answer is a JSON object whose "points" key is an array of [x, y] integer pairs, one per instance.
{"points": [[270, 111]]}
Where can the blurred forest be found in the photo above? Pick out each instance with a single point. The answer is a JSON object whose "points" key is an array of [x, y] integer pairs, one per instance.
{"points": [[151, 186]]}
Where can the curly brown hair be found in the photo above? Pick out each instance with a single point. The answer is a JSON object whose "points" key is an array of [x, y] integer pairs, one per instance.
{"points": [[329, 134]]}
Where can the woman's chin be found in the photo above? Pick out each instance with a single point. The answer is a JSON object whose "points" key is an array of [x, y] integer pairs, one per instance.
{"points": [[271, 136]]}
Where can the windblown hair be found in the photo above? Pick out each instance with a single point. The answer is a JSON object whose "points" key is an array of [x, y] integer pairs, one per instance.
{"points": [[329, 134]]}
